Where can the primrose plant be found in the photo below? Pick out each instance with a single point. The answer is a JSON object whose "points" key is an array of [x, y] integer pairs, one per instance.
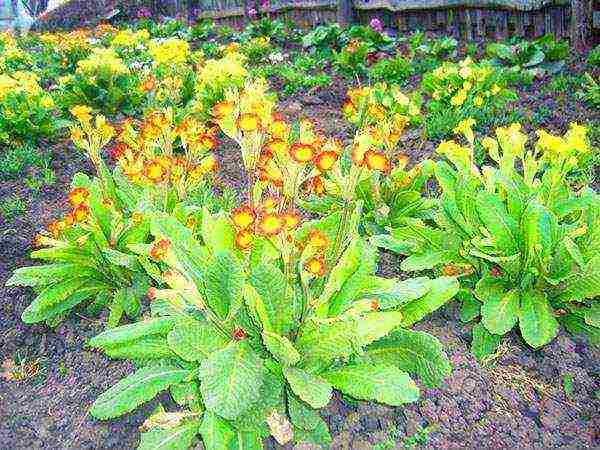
{"points": [[260, 315], [524, 243]]}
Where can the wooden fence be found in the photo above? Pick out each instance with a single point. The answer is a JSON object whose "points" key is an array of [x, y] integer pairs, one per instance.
{"points": [[468, 19]]}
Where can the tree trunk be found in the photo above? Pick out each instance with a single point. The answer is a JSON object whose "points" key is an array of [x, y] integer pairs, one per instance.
{"points": [[344, 12], [581, 15]]}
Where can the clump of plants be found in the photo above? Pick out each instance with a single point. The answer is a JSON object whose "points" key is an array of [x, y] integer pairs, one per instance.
{"points": [[27, 112], [460, 90], [523, 242]]}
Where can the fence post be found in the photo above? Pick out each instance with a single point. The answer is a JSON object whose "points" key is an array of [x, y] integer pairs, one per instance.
{"points": [[580, 22], [344, 12]]}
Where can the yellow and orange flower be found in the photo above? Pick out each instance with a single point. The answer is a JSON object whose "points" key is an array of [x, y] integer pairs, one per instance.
{"points": [[326, 160], [270, 224], [291, 220], [317, 239], [315, 266], [244, 239], [278, 129], [222, 109], [78, 196], [80, 213], [159, 249], [315, 186], [243, 217], [155, 171], [148, 84], [302, 153], [277, 146], [270, 204], [56, 227], [248, 122], [376, 161]]}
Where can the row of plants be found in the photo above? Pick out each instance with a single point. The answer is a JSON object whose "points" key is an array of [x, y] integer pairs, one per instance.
{"points": [[250, 308], [147, 65]]}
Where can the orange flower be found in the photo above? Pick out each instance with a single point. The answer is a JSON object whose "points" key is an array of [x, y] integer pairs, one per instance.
{"points": [[155, 171], [451, 270], [302, 153], [159, 249], [78, 196], [118, 151], [191, 222], [325, 160], [315, 186], [315, 266], [55, 228], [402, 160], [149, 84], [208, 164], [348, 108], [208, 141], [291, 220], [80, 213], [277, 146], [317, 239], [243, 239], [243, 217], [69, 219], [375, 305], [270, 172], [270, 224], [270, 204], [377, 161], [248, 122], [222, 109], [278, 129]]}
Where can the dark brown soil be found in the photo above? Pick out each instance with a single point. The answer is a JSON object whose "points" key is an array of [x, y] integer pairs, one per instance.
{"points": [[517, 401]]}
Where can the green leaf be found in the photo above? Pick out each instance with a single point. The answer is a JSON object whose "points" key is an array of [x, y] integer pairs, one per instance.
{"points": [[185, 394], [194, 340], [216, 433], [349, 263], [312, 389], [131, 332], [380, 382], [584, 284], [301, 415], [281, 348], [484, 343], [377, 324], [441, 291], [536, 319], [231, 379], [318, 436], [320, 343], [59, 297], [271, 286], [592, 314], [49, 274], [135, 389], [500, 308], [392, 292], [217, 232], [416, 352], [147, 347], [470, 308], [539, 228], [423, 261], [502, 228], [224, 281], [177, 438]]}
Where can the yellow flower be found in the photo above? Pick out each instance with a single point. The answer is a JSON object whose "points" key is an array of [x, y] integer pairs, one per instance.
{"points": [[465, 127], [82, 113], [47, 102], [459, 98], [478, 101], [170, 51]]}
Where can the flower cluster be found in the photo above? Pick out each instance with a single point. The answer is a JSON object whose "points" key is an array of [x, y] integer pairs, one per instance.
{"points": [[147, 154], [91, 135], [129, 38], [80, 212], [465, 84], [170, 51], [102, 60]]}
